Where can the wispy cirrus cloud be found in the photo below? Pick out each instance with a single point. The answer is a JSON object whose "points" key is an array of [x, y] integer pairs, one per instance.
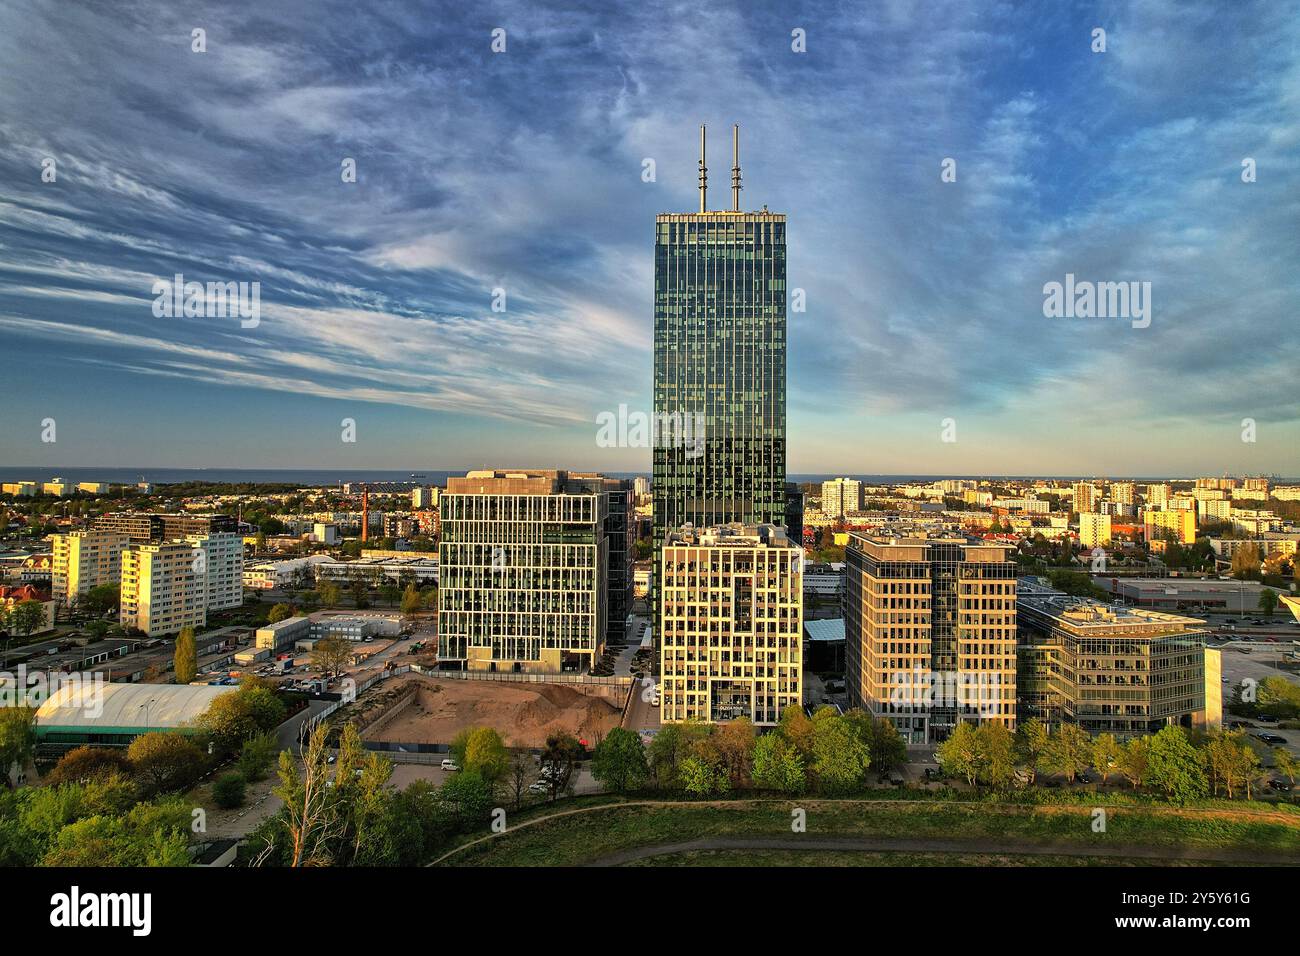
{"points": [[523, 171]]}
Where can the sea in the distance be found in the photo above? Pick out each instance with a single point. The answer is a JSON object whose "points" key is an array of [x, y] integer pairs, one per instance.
{"points": [[331, 477]]}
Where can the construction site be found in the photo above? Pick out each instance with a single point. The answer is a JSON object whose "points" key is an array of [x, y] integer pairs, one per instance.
{"points": [[422, 709]]}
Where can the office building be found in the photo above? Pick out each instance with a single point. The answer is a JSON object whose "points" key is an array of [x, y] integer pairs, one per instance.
{"points": [[930, 633], [731, 607], [83, 560], [523, 571], [164, 587], [1112, 669], [142, 526], [719, 365]]}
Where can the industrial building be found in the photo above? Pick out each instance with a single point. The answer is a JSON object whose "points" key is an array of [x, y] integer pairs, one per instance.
{"points": [[113, 715]]}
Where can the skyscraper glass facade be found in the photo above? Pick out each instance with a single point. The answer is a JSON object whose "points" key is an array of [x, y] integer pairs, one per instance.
{"points": [[719, 369]]}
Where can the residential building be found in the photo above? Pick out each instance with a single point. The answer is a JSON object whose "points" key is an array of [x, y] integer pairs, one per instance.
{"points": [[841, 496], [164, 587], [1086, 496], [1094, 530], [1111, 669], [83, 560], [223, 560], [1158, 495], [1124, 492], [930, 632], [325, 532], [731, 607], [1179, 523], [523, 571], [423, 498]]}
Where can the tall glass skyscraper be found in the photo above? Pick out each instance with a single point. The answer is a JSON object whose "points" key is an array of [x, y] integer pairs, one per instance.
{"points": [[719, 366]]}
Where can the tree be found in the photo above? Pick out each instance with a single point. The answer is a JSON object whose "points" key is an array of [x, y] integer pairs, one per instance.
{"points": [[100, 600], [389, 592], [797, 728], [17, 738], [778, 765], [1284, 763], [520, 770], [310, 817], [279, 612], [256, 756], [165, 761], [84, 764], [329, 593], [703, 775], [561, 754], [234, 717], [1069, 751], [228, 791], [1175, 766], [734, 743], [331, 655], [672, 745], [994, 753], [481, 750], [185, 658], [958, 756], [888, 749], [411, 599], [1105, 755], [25, 617], [619, 761], [1031, 741], [1267, 601], [1246, 561], [839, 757], [1133, 759]]}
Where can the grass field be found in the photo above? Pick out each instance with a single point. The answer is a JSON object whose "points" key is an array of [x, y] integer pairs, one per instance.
{"points": [[1246, 834], [843, 858]]}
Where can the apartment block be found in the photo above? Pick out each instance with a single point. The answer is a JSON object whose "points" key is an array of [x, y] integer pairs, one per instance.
{"points": [[523, 571], [930, 632], [1086, 496], [1124, 492], [1113, 669], [731, 607], [840, 496], [164, 587], [1094, 530], [1179, 523], [223, 563], [83, 560]]}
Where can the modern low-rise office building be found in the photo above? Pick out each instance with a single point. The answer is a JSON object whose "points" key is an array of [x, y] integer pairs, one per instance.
{"points": [[930, 633], [523, 571], [731, 607], [1111, 668]]}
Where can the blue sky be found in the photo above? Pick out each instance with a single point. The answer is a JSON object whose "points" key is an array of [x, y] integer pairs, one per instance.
{"points": [[522, 170]]}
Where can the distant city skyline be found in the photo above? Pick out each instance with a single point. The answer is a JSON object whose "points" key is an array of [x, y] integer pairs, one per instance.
{"points": [[525, 171]]}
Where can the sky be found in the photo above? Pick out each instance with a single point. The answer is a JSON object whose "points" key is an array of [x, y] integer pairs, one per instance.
{"points": [[524, 171]]}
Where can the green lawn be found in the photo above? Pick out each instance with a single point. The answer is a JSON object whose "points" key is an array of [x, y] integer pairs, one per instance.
{"points": [[586, 837], [766, 858]]}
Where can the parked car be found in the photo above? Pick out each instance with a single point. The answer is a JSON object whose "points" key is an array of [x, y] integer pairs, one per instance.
{"points": [[541, 786], [1270, 739], [1281, 786], [449, 764], [1266, 718], [932, 773]]}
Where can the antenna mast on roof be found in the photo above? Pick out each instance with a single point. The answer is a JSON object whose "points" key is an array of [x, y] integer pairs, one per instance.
{"points": [[704, 174], [735, 170]]}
